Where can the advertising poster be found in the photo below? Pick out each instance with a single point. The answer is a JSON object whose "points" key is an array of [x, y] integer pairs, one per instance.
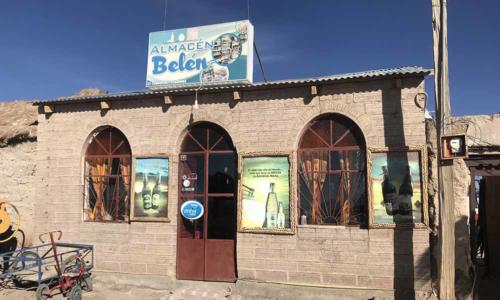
{"points": [[265, 193], [396, 187], [213, 54], [150, 188]]}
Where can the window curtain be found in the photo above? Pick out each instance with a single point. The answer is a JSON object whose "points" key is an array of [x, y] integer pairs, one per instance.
{"points": [[98, 181], [346, 188], [310, 169], [125, 170]]}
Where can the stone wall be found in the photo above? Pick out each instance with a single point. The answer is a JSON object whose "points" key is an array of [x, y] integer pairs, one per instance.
{"points": [[482, 133], [482, 140], [461, 181], [339, 256], [17, 160], [263, 120], [17, 176], [463, 263]]}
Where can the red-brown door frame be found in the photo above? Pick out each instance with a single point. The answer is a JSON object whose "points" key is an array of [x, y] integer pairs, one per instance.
{"points": [[206, 152]]}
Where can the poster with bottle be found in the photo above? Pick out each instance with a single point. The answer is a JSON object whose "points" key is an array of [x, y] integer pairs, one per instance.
{"points": [[150, 189], [397, 190], [265, 200]]}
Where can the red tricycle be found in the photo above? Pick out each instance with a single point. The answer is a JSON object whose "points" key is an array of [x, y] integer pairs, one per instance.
{"points": [[72, 271], [57, 267]]}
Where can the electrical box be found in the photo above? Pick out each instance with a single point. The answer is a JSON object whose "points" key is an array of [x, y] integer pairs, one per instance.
{"points": [[453, 146]]}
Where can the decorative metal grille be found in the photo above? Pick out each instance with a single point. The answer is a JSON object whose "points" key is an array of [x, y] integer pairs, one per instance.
{"points": [[332, 172], [107, 177]]}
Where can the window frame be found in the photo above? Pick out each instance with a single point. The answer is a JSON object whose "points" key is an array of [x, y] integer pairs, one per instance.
{"points": [[327, 149], [108, 157]]}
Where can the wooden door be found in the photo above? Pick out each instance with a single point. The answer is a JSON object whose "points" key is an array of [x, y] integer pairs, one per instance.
{"points": [[492, 211], [206, 247]]}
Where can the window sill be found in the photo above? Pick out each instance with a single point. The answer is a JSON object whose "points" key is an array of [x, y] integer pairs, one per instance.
{"points": [[331, 226], [106, 222]]}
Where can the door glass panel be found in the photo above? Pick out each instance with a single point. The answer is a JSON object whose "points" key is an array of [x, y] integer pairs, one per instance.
{"points": [[200, 135], [221, 218], [214, 138], [220, 141], [222, 173], [190, 145], [224, 144], [192, 168], [191, 229]]}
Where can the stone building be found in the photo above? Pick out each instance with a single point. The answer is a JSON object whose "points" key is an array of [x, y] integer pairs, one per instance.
{"points": [[476, 180], [18, 123], [483, 162], [83, 139]]}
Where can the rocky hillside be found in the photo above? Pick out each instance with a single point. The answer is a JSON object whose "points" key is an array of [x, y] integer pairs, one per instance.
{"points": [[18, 122]]}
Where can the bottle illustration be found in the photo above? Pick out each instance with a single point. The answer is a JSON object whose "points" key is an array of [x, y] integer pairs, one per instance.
{"points": [[389, 193], [155, 203], [146, 194], [281, 216], [406, 193], [303, 218], [271, 208]]}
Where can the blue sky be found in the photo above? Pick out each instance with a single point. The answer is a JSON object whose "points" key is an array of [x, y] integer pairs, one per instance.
{"points": [[54, 48]]}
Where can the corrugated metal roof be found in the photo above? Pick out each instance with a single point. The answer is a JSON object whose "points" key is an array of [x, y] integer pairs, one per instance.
{"points": [[403, 71]]}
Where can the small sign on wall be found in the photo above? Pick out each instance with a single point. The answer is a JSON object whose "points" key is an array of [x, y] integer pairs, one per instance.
{"points": [[192, 210]]}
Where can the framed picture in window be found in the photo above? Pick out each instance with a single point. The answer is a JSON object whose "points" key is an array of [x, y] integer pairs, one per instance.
{"points": [[265, 195], [397, 187], [150, 189]]}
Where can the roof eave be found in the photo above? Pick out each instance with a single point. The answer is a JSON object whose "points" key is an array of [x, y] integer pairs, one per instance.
{"points": [[242, 87]]}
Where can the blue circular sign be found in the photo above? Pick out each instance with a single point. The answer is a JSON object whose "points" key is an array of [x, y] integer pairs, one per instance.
{"points": [[192, 210]]}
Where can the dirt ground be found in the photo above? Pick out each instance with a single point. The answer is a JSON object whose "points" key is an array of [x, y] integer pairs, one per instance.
{"points": [[111, 287]]}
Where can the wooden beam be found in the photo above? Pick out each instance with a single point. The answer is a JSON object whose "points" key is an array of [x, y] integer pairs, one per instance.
{"points": [[314, 90], [446, 268], [168, 100], [236, 95], [398, 83], [48, 109], [105, 105]]}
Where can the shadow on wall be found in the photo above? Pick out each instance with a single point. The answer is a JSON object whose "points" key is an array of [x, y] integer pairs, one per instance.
{"points": [[464, 274], [411, 270], [394, 136]]}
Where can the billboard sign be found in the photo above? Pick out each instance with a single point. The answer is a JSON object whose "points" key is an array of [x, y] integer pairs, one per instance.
{"points": [[206, 55]]}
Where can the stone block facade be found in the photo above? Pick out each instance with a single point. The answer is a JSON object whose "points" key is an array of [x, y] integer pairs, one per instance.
{"points": [[341, 257], [17, 175], [265, 119]]}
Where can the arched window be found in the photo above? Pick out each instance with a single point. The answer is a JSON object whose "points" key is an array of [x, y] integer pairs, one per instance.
{"points": [[332, 172], [107, 176]]}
